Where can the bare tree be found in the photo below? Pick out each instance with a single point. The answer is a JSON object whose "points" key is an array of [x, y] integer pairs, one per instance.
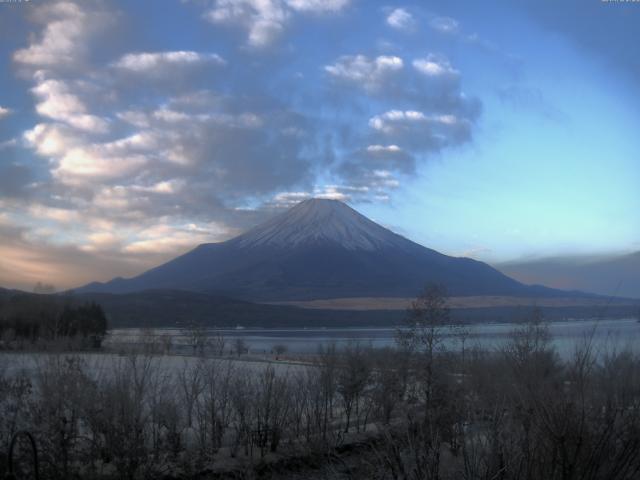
{"points": [[386, 393], [271, 409], [353, 378], [241, 394], [328, 362], [61, 382], [426, 325], [218, 343], [279, 349], [191, 385], [196, 337], [240, 346], [214, 405]]}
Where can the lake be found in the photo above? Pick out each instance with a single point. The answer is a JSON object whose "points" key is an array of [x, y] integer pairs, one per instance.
{"points": [[566, 335]]}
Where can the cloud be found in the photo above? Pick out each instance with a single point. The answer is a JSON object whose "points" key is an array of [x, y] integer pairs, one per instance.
{"points": [[359, 70], [387, 158], [216, 142], [58, 103], [375, 169], [166, 239], [51, 139], [164, 62], [218, 146], [265, 20], [102, 241], [343, 193], [88, 164], [62, 215], [4, 112], [421, 131], [400, 19], [446, 25], [434, 66], [102, 255], [220, 155], [450, 27], [65, 39], [318, 6], [434, 114], [225, 149], [12, 142], [433, 84], [530, 98], [383, 149], [288, 199], [390, 120]]}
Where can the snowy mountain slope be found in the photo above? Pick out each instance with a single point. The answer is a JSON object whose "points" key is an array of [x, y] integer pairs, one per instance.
{"points": [[320, 249]]}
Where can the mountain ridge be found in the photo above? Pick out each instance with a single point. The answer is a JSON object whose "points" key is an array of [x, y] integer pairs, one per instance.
{"points": [[320, 249], [617, 275]]}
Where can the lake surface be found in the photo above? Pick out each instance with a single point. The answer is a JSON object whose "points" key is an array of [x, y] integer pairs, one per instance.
{"points": [[566, 336]]}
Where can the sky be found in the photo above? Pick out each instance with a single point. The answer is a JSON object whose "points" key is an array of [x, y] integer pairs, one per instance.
{"points": [[130, 132]]}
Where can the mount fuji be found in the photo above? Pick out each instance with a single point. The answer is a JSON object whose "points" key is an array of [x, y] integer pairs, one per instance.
{"points": [[320, 249]]}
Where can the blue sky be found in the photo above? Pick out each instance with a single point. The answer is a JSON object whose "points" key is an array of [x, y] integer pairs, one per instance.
{"points": [[131, 132]]}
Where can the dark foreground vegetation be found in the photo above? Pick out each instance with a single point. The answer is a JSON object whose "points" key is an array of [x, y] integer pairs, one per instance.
{"points": [[418, 411], [28, 320], [177, 308], [170, 308]]}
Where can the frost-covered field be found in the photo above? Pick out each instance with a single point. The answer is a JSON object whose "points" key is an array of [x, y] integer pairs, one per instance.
{"points": [[120, 414], [104, 363], [126, 413]]}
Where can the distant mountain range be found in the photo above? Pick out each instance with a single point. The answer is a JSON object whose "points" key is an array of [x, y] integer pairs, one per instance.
{"points": [[611, 275], [320, 249]]}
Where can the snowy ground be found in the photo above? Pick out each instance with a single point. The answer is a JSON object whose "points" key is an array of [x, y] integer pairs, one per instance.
{"points": [[103, 363]]}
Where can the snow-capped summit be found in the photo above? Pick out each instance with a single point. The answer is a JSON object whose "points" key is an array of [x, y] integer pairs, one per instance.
{"points": [[320, 221]]}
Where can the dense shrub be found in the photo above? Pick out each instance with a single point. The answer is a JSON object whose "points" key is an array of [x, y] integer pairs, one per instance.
{"points": [[26, 317]]}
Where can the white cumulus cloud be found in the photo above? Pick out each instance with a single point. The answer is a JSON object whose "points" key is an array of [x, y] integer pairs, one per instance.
{"points": [[265, 20], [400, 19], [154, 62], [421, 131], [361, 70], [318, 6], [383, 149], [446, 25], [83, 164], [58, 103], [388, 121], [434, 66], [65, 38], [50, 139]]}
